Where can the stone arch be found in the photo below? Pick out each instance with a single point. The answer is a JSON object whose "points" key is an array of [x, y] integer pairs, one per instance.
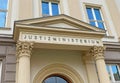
{"points": [[60, 69]]}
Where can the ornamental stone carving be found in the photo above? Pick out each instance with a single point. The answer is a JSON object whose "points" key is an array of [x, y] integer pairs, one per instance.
{"points": [[24, 48], [97, 52]]}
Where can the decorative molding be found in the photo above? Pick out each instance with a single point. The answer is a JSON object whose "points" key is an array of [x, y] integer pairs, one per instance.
{"points": [[97, 52], [24, 48], [58, 69]]}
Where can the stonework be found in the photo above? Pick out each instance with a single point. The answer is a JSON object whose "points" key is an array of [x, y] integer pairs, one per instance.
{"points": [[97, 52], [24, 48]]}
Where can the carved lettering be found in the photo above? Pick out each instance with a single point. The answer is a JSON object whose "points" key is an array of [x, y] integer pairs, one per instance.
{"points": [[61, 39]]}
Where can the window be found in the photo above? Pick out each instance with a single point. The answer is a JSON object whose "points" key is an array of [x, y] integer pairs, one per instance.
{"points": [[114, 72], [50, 8], [55, 79], [95, 17], [0, 70], [3, 12]]}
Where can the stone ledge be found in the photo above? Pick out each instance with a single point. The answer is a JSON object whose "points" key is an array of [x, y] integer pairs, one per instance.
{"points": [[5, 28]]}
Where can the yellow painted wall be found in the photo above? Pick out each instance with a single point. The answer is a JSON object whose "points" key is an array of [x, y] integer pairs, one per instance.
{"points": [[114, 14], [43, 57]]}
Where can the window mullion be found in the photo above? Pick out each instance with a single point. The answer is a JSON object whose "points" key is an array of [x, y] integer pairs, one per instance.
{"points": [[111, 73], [59, 8], [94, 17], [50, 8], [118, 69]]}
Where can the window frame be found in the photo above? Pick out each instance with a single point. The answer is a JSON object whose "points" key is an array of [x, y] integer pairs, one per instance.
{"points": [[94, 16], [1, 71], [5, 11], [50, 7], [111, 72]]}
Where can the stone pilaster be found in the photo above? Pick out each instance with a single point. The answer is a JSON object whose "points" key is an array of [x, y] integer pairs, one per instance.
{"points": [[98, 53], [23, 66]]}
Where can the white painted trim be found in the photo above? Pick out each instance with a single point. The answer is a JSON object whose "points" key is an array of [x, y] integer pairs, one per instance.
{"points": [[6, 20], [111, 73], [93, 12], [50, 8], [15, 12]]}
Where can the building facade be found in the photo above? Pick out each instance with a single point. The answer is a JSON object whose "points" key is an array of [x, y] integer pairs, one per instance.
{"points": [[59, 41]]}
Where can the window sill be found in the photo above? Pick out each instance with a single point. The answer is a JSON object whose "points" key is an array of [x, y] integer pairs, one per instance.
{"points": [[5, 28]]}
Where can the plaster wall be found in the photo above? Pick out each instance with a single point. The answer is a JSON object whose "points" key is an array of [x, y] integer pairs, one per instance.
{"points": [[115, 13], [43, 57]]}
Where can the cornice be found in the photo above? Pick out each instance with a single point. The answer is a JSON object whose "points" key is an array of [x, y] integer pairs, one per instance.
{"points": [[114, 46]]}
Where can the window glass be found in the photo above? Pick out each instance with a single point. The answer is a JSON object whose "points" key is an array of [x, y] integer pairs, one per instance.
{"points": [[55, 79], [3, 12], [2, 19], [115, 72], [95, 18], [90, 15], [3, 4], [50, 8], [97, 14], [55, 10], [45, 8], [100, 25]]}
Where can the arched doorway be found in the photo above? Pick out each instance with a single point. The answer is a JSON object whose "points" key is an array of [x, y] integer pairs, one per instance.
{"points": [[61, 72]]}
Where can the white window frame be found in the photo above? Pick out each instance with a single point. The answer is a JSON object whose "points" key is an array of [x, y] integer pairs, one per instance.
{"points": [[111, 72], [50, 7], [94, 16]]}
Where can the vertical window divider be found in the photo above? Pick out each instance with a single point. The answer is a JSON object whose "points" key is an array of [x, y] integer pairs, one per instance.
{"points": [[94, 17], [6, 14], [111, 73], [59, 8], [50, 8]]}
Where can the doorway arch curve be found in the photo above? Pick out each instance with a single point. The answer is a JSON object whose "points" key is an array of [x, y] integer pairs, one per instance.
{"points": [[58, 69]]}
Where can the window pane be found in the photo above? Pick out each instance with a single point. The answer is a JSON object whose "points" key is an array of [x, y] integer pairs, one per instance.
{"points": [[115, 72], [45, 8], [92, 23], [50, 80], [100, 25], [97, 14], [90, 14], [2, 19], [55, 79], [55, 10], [3, 4], [60, 80]]}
